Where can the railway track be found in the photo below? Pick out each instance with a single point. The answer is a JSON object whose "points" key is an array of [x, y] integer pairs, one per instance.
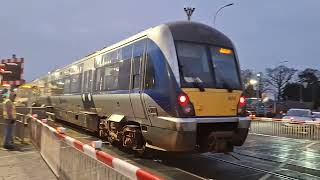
{"points": [[255, 169], [309, 173], [200, 166], [153, 164]]}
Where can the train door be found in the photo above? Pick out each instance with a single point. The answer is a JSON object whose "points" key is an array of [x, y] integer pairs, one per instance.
{"points": [[86, 96], [136, 85]]}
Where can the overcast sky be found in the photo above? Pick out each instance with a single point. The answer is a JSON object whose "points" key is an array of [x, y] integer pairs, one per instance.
{"points": [[53, 33]]}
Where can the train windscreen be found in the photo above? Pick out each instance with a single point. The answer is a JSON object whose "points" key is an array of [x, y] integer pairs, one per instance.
{"points": [[207, 66]]}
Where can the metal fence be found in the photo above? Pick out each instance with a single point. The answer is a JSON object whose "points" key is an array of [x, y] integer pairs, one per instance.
{"points": [[21, 130], [298, 130], [66, 161], [70, 159], [76, 165]]}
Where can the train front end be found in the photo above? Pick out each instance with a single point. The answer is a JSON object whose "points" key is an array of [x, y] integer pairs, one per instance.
{"points": [[208, 92]]}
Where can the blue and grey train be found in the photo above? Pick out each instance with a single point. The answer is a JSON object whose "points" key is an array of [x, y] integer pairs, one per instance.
{"points": [[174, 87]]}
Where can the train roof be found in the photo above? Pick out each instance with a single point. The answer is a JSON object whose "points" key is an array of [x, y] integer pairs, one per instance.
{"points": [[185, 30], [181, 30]]}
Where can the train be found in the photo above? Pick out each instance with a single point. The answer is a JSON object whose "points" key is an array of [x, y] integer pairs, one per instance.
{"points": [[175, 87]]}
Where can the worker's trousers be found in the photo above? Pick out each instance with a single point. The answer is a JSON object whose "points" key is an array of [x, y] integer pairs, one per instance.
{"points": [[9, 128]]}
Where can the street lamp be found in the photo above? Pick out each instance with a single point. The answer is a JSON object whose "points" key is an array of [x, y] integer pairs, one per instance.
{"points": [[215, 16], [258, 85], [302, 85], [253, 82]]}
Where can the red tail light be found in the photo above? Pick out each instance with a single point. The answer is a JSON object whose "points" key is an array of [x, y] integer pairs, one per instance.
{"points": [[241, 106], [183, 99], [185, 104], [242, 101]]}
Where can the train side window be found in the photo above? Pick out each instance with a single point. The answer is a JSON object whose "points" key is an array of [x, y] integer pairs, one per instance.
{"points": [[66, 88], [138, 52], [152, 56], [60, 86], [85, 82], [124, 68], [99, 79], [75, 83], [55, 87], [90, 80], [111, 70]]}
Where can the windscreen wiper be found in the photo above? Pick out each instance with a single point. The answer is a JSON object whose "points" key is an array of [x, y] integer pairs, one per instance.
{"points": [[198, 83], [225, 84]]}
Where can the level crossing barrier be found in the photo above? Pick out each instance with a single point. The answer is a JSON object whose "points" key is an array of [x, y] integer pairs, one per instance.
{"points": [[71, 159], [286, 128]]}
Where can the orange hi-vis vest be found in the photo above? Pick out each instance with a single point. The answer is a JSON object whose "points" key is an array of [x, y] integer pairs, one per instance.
{"points": [[7, 103]]}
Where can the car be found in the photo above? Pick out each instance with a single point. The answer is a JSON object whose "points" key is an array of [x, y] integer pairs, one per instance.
{"points": [[298, 115], [316, 116], [260, 108]]}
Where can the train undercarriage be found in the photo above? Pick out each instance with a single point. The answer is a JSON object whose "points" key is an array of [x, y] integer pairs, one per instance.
{"points": [[208, 137]]}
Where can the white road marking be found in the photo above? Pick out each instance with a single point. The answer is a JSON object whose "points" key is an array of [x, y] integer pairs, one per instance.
{"points": [[311, 144], [266, 176], [192, 174]]}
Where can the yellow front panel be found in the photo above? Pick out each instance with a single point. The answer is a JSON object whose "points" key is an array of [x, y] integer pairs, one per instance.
{"points": [[214, 102]]}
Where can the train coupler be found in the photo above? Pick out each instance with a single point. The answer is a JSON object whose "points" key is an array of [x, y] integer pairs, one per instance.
{"points": [[220, 142]]}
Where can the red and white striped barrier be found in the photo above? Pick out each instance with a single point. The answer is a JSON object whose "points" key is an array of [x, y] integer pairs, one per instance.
{"points": [[121, 166]]}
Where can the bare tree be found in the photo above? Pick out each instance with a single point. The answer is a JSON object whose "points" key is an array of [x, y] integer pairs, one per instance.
{"points": [[249, 90], [246, 75], [278, 78]]}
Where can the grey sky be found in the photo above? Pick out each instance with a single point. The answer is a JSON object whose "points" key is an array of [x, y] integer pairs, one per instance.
{"points": [[53, 33]]}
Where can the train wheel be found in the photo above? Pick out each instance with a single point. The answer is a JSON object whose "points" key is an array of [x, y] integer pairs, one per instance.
{"points": [[142, 152], [133, 139]]}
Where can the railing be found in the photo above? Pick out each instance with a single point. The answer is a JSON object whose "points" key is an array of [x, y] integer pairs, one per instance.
{"points": [[286, 128], [71, 159], [21, 130]]}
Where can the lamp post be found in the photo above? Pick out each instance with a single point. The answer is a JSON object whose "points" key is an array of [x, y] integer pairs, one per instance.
{"points": [[254, 83], [258, 85], [215, 16], [302, 85]]}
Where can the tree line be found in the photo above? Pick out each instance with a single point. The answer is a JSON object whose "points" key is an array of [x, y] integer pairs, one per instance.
{"points": [[285, 83]]}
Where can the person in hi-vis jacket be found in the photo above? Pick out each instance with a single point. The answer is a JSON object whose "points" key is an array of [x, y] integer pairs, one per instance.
{"points": [[9, 116]]}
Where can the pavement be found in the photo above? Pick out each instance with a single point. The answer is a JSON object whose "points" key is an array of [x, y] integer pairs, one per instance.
{"points": [[24, 162]]}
